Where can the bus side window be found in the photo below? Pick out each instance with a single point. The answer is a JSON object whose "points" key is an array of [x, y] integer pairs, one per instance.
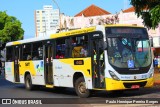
{"points": [[79, 46], [9, 55], [60, 48], [26, 52], [59, 54], [37, 51], [76, 51], [29, 57]]}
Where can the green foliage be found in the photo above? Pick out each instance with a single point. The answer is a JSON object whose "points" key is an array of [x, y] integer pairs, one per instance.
{"points": [[10, 28], [149, 11], [155, 12]]}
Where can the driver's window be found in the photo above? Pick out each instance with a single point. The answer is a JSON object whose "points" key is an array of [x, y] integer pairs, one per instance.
{"points": [[143, 53]]}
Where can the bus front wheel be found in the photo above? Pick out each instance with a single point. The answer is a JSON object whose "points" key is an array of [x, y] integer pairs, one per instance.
{"points": [[80, 87], [28, 82]]}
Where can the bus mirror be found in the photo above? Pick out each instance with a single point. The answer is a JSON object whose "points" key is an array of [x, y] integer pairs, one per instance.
{"points": [[105, 45]]}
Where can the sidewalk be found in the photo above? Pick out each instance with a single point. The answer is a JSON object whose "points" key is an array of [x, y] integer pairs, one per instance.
{"points": [[156, 77]]}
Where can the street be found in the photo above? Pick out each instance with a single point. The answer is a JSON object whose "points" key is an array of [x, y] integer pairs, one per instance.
{"points": [[10, 90]]}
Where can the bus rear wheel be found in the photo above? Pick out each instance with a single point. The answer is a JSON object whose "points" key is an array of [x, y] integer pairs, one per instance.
{"points": [[28, 82], [80, 87]]}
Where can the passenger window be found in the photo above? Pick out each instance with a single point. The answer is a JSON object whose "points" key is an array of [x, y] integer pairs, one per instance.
{"points": [[9, 51], [37, 51], [80, 46], [60, 48], [27, 52]]}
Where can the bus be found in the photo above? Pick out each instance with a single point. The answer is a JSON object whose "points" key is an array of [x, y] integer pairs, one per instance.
{"points": [[102, 57]]}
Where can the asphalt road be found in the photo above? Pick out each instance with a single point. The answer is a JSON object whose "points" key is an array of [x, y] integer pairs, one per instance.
{"points": [[68, 96]]}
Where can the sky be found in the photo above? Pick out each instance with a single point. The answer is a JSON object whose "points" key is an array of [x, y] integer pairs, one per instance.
{"points": [[23, 10]]}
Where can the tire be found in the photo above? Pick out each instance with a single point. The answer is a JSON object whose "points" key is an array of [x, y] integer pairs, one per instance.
{"points": [[28, 83], [80, 88]]}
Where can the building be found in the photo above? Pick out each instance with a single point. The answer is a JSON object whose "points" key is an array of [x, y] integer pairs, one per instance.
{"points": [[90, 16], [46, 20]]}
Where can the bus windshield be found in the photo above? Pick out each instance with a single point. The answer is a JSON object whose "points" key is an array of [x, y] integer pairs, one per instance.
{"points": [[129, 52]]}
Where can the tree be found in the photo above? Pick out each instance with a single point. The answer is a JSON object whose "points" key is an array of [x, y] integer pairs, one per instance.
{"points": [[10, 28], [149, 11]]}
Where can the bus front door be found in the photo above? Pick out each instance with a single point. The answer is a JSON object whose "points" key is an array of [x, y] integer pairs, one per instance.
{"points": [[16, 63], [97, 54], [48, 64]]}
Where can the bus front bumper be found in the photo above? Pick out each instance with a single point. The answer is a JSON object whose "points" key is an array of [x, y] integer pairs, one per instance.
{"points": [[122, 85]]}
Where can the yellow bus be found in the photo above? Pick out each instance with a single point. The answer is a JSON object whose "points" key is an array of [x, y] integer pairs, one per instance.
{"points": [[103, 57]]}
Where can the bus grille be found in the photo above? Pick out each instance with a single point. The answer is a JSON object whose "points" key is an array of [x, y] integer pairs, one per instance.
{"points": [[129, 85]]}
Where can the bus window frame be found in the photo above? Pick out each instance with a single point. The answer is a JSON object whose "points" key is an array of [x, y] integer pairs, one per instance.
{"points": [[88, 44], [12, 56], [22, 59], [67, 44], [32, 44]]}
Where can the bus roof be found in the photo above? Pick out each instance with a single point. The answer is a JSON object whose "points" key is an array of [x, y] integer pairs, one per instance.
{"points": [[123, 25], [66, 33], [56, 35]]}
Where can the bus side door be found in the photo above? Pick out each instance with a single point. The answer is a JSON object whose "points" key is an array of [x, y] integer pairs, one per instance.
{"points": [[48, 59], [16, 63], [97, 56]]}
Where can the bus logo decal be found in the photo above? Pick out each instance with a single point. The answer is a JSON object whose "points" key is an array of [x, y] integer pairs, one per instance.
{"points": [[39, 67]]}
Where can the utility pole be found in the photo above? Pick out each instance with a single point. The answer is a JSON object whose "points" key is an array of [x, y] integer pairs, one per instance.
{"points": [[59, 14]]}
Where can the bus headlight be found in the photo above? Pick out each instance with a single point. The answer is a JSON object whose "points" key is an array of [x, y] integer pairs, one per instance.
{"points": [[113, 75], [151, 75]]}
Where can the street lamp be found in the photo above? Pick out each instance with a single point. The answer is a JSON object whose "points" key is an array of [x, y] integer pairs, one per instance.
{"points": [[59, 14]]}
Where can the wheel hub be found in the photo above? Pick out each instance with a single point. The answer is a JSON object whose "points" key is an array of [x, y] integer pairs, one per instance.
{"points": [[28, 81], [82, 87]]}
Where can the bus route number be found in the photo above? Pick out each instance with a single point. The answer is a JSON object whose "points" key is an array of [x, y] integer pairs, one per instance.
{"points": [[27, 64], [78, 62]]}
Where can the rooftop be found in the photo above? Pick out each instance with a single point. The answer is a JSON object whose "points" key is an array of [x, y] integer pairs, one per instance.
{"points": [[131, 9], [92, 11]]}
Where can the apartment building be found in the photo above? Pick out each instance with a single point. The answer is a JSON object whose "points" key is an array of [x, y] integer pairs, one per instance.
{"points": [[46, 20]]}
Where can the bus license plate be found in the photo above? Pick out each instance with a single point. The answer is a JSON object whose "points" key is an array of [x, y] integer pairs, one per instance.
{"points": [[135, 86]]}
